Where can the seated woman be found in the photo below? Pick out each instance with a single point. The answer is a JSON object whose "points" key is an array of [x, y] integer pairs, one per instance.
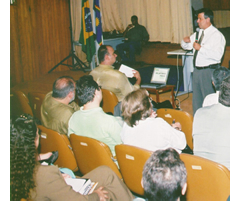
{"points": [[143, 129], [31, 180]]}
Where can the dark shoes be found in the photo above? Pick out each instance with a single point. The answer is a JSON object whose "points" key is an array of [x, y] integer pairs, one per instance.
{"points": [[51, 159]]}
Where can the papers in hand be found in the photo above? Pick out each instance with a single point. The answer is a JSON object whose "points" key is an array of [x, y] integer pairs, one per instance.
{"points": [[126, 70], [83, 186]]}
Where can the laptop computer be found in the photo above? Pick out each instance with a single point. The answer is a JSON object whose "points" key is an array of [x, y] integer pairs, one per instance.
{"points": [[159, 78]]}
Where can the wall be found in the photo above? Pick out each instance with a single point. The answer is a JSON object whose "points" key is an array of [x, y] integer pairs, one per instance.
{"points": [[39, 38]]}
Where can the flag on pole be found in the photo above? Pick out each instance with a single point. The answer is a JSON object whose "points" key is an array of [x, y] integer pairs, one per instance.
{"points": [[86, 35], [98, 25]]}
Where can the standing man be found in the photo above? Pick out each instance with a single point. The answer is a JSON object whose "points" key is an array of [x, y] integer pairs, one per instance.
{"points": [[208, 45], [110, 79], [58, 105], [136, 34]]}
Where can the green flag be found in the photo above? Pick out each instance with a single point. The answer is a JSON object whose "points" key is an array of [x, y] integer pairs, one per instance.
{"points": [[86, 35]]}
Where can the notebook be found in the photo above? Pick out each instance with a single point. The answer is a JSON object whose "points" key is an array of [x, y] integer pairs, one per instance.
{"points": [[159, 78]]}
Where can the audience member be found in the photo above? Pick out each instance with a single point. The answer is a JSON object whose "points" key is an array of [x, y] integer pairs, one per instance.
{"points": [[211, 130], [110, 79], [58, 105], [208, 52], [135, 34], [143, 129], [219, 74], [90, 120], [31, 180], [164, 176]]}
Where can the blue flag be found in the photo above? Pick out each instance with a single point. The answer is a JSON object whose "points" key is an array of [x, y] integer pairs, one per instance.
{"points": [[97, 10], [86, 35]]}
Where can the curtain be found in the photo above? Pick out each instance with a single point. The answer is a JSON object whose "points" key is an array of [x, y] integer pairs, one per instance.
{"points": [[165, 20], [222, 18]]}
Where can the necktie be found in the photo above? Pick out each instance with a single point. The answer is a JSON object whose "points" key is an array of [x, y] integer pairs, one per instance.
{"points": [[196, 51]]}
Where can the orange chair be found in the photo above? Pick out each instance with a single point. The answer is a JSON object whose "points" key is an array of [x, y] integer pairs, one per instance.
{"points": [[109, 101], [91, 153], [185, 119], [51, 140], [36, 99], [131, 161], [207, 180], [19, 103]]}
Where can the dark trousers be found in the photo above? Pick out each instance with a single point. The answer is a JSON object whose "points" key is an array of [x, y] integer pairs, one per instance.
{"points": [[202, 86], [131, 46]]}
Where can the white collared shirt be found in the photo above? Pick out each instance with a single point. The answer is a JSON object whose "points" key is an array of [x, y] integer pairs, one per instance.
{"points": [[212, 46], [211, 99]]}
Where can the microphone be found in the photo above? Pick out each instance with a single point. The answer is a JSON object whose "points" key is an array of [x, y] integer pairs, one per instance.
{"points": [[197, 34]]}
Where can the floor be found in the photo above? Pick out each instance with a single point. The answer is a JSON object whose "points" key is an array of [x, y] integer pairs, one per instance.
{"points": [[44, 85]]}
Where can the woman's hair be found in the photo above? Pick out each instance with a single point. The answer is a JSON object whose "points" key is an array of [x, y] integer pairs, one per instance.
{"points": [[136, 106], [23, 153]]}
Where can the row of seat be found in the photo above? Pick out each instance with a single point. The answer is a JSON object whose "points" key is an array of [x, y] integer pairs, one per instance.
{"points": [[31, 105], [207, 180], [20, 103]]}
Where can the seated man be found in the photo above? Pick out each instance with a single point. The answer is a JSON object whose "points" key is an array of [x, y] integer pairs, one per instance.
{"points": [[110, 79], [58, 105], [90, 120], [219, 74], [164, 176], [211, 128], [136, 34]]}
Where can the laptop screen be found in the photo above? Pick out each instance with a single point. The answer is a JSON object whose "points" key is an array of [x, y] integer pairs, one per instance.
{"points": [[160, 75]]}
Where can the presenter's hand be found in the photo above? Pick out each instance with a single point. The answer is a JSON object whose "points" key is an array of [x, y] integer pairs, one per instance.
{"points": [[187, 39], [196, 46], [137, 76]]}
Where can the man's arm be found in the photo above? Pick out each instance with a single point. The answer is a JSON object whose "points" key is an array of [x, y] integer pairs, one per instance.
{"points": [[127, 29], [187, 42]]}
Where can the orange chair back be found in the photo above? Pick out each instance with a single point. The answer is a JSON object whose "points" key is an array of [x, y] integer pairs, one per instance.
{"points": [[207, 180], [51, 140], [36, 99], [19, 103], [131, 161], [91, 153], [185, 119], [109, 101]]}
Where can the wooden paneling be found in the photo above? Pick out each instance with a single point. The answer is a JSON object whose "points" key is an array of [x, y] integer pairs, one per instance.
{"points": [[217, 4], [39, 38]]}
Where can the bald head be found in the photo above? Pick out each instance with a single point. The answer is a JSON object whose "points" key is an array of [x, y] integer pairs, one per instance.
{"points": [[63, 86]]}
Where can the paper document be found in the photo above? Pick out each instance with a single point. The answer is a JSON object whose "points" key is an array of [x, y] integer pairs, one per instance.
{"points": [[126, 70], [83, 186]]}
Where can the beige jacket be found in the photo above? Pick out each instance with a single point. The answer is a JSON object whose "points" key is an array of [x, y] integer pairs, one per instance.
{"points": [[113, 80]]}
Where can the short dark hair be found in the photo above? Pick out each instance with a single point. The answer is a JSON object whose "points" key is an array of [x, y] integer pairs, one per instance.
{"points": [[102, 51], [224, 97], [63, 86], [219, 74], [164, 176], [134, 17], [85, 89], [208, 13]]}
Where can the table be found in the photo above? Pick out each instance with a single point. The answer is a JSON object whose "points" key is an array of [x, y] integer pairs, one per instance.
{"points": [[113, 41], [187, 63], [158, 91]]}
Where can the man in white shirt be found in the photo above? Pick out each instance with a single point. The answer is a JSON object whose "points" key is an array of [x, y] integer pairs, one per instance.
{"points": [[218, 76], [208, 51], [211, 130]]}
